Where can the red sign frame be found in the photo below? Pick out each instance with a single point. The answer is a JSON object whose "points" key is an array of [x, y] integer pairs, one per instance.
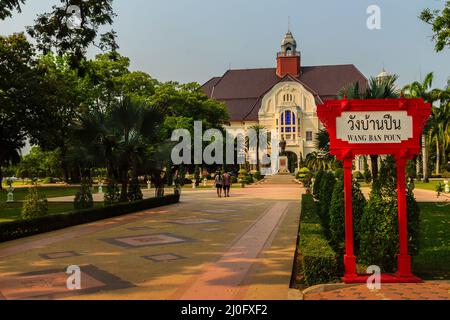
{"points": [[416, 108], [403, 151]]}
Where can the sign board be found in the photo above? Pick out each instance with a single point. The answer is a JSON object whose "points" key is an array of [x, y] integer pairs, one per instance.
{"points": [[375, 127], [388, 126]]}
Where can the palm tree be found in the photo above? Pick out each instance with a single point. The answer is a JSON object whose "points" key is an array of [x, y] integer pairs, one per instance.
{"points": [[317, 161], [258, 129], [120, 137], [423, 90]]}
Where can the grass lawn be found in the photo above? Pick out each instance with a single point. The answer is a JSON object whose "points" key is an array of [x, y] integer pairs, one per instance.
{"points": [[428, 186], [433, 261], [11, 211]]}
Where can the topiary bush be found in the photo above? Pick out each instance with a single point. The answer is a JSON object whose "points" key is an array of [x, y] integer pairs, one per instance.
{"points": [[379, 243], [378, 232], [83, 198], [35, 205], [317, 183], [257, 175], [325, 194], [134, 191], [318, 262], [112, 193], [337, 216]]}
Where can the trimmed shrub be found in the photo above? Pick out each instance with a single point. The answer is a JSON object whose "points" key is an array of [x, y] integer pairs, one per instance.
{"points": [[318, 262], [326, 192], [378, 228], [337, 216], [83, 198], [339, 173], [134, 191], [112, 193], [378, 232], [413, 222], [24, 228], [257, 175], [317, 182], [35, 205]]}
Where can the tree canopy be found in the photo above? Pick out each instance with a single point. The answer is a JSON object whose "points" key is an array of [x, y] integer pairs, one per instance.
{"points": [[440, 23]]}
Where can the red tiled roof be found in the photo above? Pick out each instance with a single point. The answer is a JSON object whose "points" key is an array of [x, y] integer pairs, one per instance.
{"points": [[243, 90]]}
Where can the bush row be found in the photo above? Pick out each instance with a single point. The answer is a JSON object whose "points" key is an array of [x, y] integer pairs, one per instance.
{"points": [[24, 228], [375, 221], [318, 262]]}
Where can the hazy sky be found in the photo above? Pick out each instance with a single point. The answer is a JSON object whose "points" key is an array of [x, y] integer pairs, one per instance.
{"points": [[194, 40]]}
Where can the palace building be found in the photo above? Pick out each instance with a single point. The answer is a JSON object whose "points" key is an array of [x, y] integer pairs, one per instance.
{"points": [[283, 98]]}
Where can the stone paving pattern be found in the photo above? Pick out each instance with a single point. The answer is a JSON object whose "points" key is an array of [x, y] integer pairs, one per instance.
{"points": [[237, 248]]}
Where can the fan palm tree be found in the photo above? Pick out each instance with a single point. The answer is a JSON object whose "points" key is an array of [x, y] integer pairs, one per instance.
{"points": [[423, 90], [258, 129], [317, 161], [120, 137]]}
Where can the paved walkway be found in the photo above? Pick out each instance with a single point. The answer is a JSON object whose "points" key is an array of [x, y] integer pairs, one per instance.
{"points": [[420, 194], [431, 290], [202, 248]]}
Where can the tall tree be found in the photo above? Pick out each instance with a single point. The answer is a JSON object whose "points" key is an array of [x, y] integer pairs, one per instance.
{"points": [[440, 22], [120, 137], [20, 103], [423, 90], [8, 6], [54, 32]]}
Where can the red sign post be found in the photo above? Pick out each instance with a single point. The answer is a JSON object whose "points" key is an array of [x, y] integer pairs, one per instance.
{"points": [[376, 127]]}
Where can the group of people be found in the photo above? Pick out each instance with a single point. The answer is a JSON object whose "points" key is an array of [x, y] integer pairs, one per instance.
{"points": [[223, 183]]}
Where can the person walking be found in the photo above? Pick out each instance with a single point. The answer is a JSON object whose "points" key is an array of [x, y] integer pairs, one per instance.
{"points": [[219, 183], [226, 184]]}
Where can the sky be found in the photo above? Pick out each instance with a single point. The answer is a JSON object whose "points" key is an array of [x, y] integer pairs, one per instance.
{"points": [[194, 40]]}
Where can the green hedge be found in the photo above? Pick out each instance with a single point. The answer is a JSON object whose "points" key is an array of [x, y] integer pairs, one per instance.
{"points": [[24, 228], [318, 262]]}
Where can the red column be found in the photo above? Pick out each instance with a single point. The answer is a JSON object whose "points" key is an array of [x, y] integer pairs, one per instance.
{"points": [[349, 258], [404, 260]]}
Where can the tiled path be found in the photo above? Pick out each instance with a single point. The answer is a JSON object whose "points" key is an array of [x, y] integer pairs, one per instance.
{"points": [[238, 248], [434, 290]]}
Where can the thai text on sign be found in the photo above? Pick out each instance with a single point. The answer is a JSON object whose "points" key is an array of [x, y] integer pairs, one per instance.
{"points": [[374, 127]]}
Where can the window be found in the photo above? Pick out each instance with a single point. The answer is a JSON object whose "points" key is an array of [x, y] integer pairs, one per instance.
{"points": [[288, 98], [288, 126], [309, 136]]}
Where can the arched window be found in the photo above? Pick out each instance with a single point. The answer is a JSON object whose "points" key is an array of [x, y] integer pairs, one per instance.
{"points": [[288, 98], [288, 125], [289, 51]]}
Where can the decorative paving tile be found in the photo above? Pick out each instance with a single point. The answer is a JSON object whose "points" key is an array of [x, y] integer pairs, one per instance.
{"points": [[147, 240], [59, 255], [164, 257], [52, 284], [193, 221]]}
